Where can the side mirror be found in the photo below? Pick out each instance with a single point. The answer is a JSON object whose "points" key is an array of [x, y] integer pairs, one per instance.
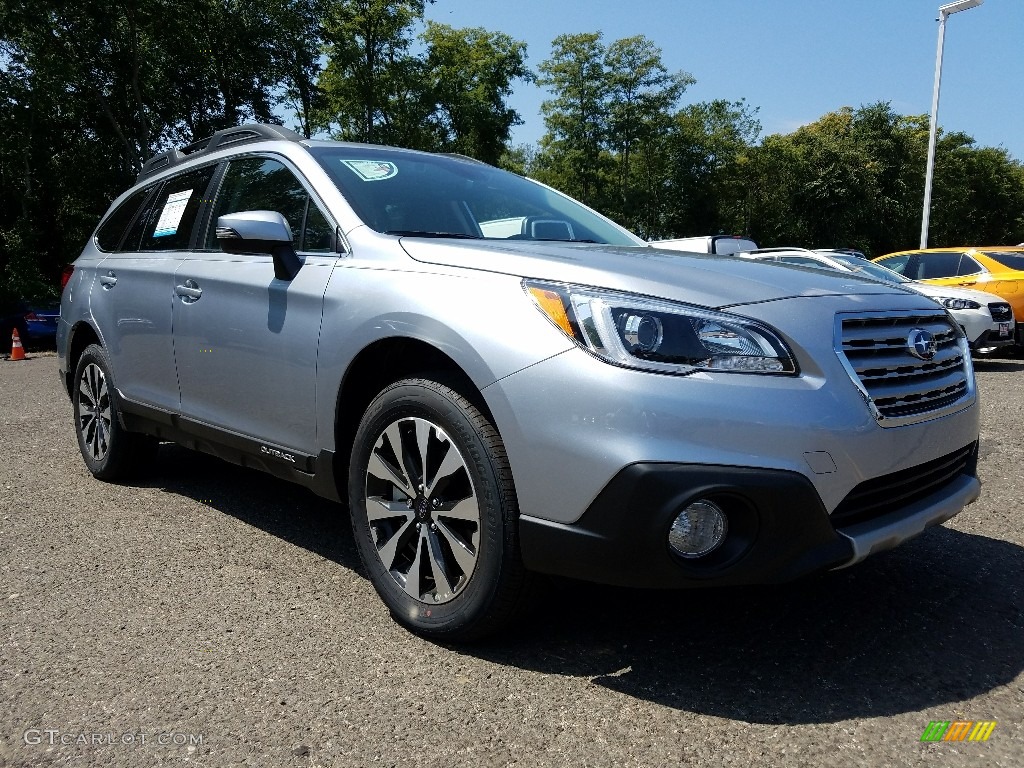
{"points": [[260, 232]]}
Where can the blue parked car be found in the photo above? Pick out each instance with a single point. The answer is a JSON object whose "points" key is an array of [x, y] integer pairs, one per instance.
{"points": [[41, 326], [36, 324]]}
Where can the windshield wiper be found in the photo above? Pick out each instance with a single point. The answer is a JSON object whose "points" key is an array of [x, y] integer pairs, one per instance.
{"points": [[423, 233]]}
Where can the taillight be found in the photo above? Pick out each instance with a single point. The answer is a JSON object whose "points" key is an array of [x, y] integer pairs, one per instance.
{"points": [[31, 316], [65, 275]]}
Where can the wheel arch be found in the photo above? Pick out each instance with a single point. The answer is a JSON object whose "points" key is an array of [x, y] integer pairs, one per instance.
{"points": [[82, 334], [384, 362]]}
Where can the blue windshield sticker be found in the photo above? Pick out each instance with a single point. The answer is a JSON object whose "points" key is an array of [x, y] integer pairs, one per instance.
{"points": [[372, 170], [170, 216]]}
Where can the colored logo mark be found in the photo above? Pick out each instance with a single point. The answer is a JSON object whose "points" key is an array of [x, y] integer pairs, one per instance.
{"points": [[958, 730]]}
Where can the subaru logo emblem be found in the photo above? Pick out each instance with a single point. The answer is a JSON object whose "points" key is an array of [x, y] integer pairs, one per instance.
{"points": [[921, 344]]}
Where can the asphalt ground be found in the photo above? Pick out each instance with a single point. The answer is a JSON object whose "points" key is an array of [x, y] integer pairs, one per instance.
{"points": [[219, 617]]}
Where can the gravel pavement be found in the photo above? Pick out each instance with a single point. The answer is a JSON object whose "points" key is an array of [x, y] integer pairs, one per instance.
{"points": [[215, 616]]}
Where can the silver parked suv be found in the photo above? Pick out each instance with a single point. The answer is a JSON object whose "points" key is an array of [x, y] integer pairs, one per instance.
{"points": [[500, 381]]}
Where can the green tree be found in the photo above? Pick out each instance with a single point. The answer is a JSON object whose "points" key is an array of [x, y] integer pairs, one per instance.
{"points": [[641, 94], [856, 178], [978, 195], [706, 150], [90, 90], [609, 104], [373, 86], [471, 72], [576, 116]]}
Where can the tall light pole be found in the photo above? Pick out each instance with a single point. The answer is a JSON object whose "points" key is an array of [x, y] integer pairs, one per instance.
{"points": [[945, 11]]}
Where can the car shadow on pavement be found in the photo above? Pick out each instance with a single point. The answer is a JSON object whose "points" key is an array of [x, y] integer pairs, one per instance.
{"points": [[936, 621], [996, 365], [280, 508]]}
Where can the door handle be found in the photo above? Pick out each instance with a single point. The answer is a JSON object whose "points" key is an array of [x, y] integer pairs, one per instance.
{"points": [[108, 280], [190, 292]]}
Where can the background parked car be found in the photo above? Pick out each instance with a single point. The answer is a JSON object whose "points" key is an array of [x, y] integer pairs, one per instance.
{"points": [[721, 244], [847, 251], [36, 324], [995, 269], [987, 319], [41, 325]]}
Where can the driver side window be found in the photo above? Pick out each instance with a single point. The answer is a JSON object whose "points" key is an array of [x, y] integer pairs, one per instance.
{"points": [[262, 184]]}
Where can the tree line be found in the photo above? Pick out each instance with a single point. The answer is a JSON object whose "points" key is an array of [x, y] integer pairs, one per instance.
{"points": [[89, 90]]}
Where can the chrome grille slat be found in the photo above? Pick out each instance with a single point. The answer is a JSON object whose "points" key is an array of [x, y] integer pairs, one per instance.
{"points": [[892, 366], [856, 338], [900, 386], [914, 389], [1000, 311]]}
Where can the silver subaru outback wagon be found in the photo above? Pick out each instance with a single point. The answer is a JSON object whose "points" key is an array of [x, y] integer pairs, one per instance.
{"points": [[501, 382]]}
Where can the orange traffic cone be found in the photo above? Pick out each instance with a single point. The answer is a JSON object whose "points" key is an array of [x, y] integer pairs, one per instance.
{"points": [[17, 351]]}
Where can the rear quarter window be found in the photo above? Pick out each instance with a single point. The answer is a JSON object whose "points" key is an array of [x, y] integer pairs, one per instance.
{"points": [[111, 233]]}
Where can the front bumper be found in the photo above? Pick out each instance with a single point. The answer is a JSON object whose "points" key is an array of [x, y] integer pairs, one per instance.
{"points": [[990, 339], [779, 529]]}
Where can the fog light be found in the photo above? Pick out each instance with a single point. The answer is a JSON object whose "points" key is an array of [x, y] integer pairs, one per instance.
{"points": [[698, 529]]}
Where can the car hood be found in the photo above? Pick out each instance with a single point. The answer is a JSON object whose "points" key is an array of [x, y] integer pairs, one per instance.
{"points": [[950, 292], [712, 281]]}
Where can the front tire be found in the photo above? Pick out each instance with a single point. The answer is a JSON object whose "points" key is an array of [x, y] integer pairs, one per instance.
{"points": [[434, 512], [109, 450]]}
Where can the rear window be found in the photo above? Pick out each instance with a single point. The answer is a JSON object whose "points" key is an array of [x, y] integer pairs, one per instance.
{"points": [[1007, 259]]}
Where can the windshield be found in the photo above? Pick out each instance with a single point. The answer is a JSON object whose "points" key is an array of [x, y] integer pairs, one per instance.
{"points": [[869, 268], [401, 192]]}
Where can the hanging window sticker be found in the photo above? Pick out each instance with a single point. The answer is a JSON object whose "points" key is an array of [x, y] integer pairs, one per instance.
{"points": [[372, 170], [170, 216]]}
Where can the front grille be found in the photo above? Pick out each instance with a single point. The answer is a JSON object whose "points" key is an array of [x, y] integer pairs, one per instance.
{"points": [[895, 491], [901, 386], [1001, 311]]}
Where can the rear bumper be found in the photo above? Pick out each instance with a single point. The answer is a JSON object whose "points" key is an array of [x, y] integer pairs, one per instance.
{"points": [[778, 528]]}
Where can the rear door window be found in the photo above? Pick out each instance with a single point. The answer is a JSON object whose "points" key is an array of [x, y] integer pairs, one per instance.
{"points": [[173, 214]]}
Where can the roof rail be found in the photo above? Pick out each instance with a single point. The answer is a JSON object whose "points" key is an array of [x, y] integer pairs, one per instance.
{"points": [[781, 249], [460, 156], [228, 137]]}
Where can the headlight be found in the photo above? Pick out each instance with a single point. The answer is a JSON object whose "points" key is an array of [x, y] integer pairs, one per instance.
{"points": [[658, 335], [950, 303]]}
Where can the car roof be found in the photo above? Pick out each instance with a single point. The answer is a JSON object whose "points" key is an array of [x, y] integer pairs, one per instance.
{"points": [[955, 249]]}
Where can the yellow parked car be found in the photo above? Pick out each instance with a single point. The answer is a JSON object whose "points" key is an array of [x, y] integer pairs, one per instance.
{"points": [[994, 269]]}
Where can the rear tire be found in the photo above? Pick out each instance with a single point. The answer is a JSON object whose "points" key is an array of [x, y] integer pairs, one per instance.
{"points": [[109, 450], [434, 512]]}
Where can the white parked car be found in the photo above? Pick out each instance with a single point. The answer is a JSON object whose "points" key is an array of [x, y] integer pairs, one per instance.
{"points": [[987, 319], [720, 244]]}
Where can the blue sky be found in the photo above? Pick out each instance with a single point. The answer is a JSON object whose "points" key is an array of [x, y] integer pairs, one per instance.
{"points": [[794, 59]]}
